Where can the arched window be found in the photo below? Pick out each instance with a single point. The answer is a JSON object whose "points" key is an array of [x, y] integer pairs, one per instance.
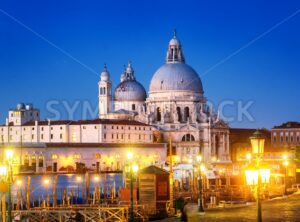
{"points": [[158, 114], [41, 161], [179, 114], [186, 113], [217, 145], [133, 106], [188, 137], [104, 89], [33, 160]]}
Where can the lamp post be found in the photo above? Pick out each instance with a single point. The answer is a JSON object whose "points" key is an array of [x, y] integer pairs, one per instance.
{"points": [[201, 169], [9, 157], [132, 170], [258, 175]]}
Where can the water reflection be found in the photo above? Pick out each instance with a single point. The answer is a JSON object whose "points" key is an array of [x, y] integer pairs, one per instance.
{"points": [[74, 184]]}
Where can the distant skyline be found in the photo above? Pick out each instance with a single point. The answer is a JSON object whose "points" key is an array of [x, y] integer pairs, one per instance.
{"points": [[243, 52]]}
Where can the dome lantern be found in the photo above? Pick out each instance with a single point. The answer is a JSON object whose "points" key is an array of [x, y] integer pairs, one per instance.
{"points": [[104, 74], [174, 53]]}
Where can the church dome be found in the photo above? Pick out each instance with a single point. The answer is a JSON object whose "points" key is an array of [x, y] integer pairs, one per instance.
{"points": [[130, 90], [176, 76]]}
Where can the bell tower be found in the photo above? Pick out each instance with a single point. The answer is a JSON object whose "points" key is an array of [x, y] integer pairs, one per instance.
{"points": [[105, 94]]}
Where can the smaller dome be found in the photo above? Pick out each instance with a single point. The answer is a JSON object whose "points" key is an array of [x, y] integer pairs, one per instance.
{"points": [[130, 90], [104, 74], [174, 41]]}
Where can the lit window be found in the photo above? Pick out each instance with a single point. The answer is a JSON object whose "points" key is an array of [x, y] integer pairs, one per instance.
{"points": [[98, 156], [77, 156], [54, 156], [74, 137]]}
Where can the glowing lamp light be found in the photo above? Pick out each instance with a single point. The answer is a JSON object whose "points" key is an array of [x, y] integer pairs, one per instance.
{"points": [[78, 179], [252, 176], [46, 182], [286, 163], [19, 182], [9, 154], [135, 168], [248, 156], [130, 155], [190, 161], [202, 168], [96, 178], [3, 171], [257, 143], [199, 158], [284, 156], [265, 175]]}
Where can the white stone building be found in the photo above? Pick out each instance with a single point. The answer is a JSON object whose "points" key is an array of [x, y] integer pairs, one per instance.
{"points": [[59, 146], [175, 109]]}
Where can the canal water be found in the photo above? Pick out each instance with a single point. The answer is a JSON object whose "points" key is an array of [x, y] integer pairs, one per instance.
{"points": [[69, 182]]}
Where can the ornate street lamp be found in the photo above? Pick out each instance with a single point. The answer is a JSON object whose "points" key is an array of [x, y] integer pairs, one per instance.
{"points": [[257, 175]]}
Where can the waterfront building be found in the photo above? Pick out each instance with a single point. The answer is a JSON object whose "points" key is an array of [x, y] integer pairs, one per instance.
{"points": [[286, 135], [174, 110]]}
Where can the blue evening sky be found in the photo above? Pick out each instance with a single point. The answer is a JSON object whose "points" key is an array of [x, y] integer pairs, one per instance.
{"points": [[53, 62]]}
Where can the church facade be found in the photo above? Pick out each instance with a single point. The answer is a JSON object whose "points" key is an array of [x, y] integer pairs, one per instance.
{"points": [[175, 106]]}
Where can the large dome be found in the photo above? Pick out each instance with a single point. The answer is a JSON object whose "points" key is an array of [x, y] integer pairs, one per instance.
{"points": [[176, 76], [130, 90]]}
